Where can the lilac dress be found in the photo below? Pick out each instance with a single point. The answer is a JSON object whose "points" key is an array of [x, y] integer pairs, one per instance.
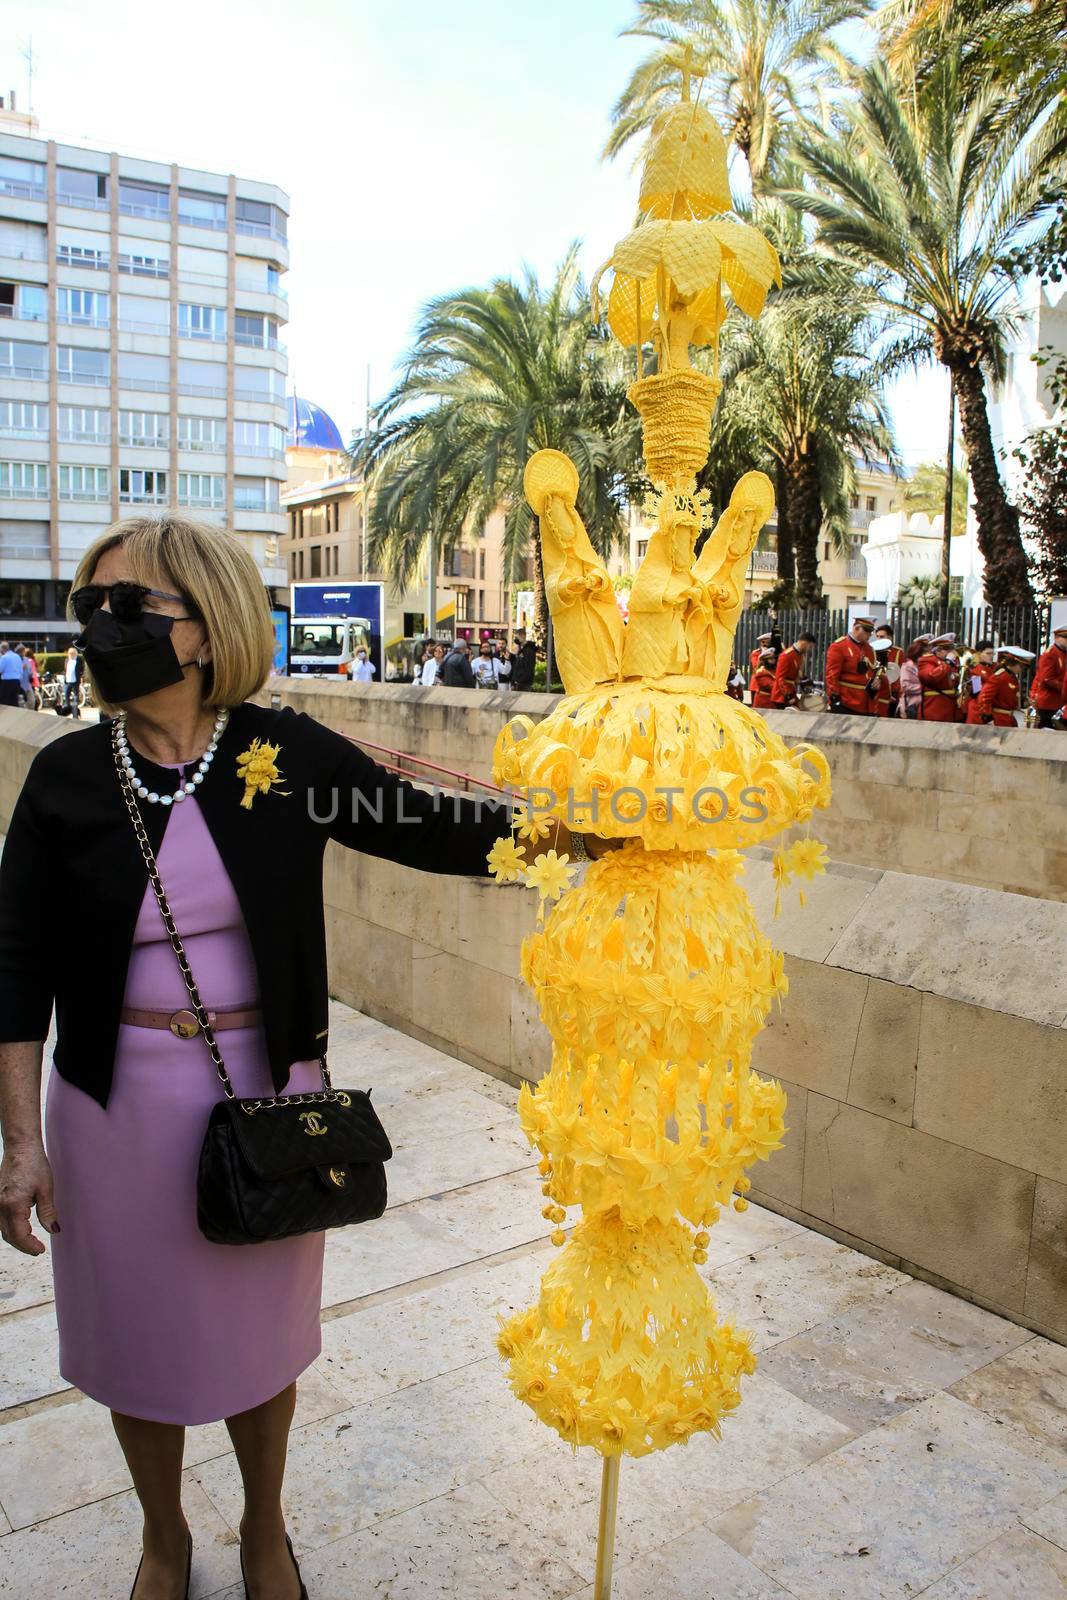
{"points": [[154, 1321]]}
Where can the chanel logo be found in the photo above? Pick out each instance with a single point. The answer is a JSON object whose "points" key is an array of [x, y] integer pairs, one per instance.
{"points": [[314, 1122], [338, 1176]]}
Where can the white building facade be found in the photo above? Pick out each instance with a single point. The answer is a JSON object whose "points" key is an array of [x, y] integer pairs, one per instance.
{"points": [[140, 363]]}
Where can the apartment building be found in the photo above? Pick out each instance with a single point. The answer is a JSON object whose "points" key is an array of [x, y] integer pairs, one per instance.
{"points": [[141, 306]]}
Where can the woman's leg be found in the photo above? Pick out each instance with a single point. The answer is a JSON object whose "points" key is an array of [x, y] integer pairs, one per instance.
{"points": [[153, 1452], [261, 1438]]}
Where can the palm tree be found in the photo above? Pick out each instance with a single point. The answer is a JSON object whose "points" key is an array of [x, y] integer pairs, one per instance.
{"points": [[761, 60], [934, 186], [493, 375]]}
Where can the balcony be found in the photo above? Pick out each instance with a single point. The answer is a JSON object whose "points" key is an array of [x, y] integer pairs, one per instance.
{"points": [[100, 380], [258, 341], [260, 230], [13, 432], [13, 369], [206, 391], [860, 519], [261, 397], [158, 497], [74, 319], [149, 385], [82, 436], [24, 252], [160, 330], [216, 279], [23, 491], [96, 262], [204, 335], [267, 451], [139, 441], [149, 267], [765, 561], [11, 314], [85, 201], [256, 286], [202, 502], [130, 208], [86, 496], [187, 220], [856, 567], [21, 190], [213, 447]]}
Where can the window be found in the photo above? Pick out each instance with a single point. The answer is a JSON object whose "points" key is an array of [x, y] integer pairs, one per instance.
{"points": [[872, 502], [250, 494], [95, 257], [315, 554], [22, 178], [142, 258], [259, 383], [23, 480], [84, 483], [202, 377], [642, 549], [201, 322], [854, 502], [258, 439], [144, 313], [202, 433], [84, 425], [23, 241], [28, 302], [201, 210], [204, 489], [19, 359], [250, 328], [144, 429], [75, 365], [144, 199], [144, 372], [76, 187], [481, 564], [82, 308], [258, 218], [138, 488], [23, 419], [26, 539]]}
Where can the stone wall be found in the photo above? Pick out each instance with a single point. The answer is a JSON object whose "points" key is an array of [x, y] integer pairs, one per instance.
{"points": [[973, 805], [922, 1045]]}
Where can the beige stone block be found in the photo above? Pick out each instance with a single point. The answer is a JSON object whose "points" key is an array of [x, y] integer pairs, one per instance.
{"points": [[1046, 1280], [531, 1042], [781, 1176], [865, 801], [976, 945], [812, 1040], [995, 1083], [868, 844], [370, 968], [831, 901], [956, 1212], [997, 817], [491, 923], [884, 1065], [461, 1002], [924, 851]]}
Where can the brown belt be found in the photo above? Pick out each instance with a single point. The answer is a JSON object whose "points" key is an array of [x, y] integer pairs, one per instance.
{"points": [[184, 1024]]}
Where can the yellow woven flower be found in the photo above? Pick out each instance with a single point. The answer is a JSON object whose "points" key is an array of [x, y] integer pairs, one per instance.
{"points": [[507, 862], [550, 875], [257, 766], [530, 825]]}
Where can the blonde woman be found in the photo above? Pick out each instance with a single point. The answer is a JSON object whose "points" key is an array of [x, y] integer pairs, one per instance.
{"points": [[155, 1322]]}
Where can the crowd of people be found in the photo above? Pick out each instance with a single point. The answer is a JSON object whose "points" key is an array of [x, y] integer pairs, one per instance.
{"points": [[493, 665], [868, 673], [21, 679]]}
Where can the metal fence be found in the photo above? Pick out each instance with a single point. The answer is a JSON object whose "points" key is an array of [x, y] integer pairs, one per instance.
{"points": [[1026, 626]]}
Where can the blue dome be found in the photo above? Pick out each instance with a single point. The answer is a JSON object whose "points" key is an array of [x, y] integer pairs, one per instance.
{"points": [[311, 428]]}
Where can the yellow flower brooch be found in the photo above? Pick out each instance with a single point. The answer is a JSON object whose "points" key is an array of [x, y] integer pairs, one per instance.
{"points": [[257, 766]]}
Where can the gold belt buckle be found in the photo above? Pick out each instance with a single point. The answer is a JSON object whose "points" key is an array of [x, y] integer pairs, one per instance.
{"points": [[183, 1024]]}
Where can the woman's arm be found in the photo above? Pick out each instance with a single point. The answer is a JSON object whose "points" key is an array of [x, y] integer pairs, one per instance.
{"points": [[25, 1173]]}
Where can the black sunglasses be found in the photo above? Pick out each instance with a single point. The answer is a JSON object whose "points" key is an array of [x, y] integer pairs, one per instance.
{"points": [[126, 599]]}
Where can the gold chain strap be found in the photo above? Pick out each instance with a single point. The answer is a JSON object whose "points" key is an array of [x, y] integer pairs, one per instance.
{"points": [[328, 1092]]}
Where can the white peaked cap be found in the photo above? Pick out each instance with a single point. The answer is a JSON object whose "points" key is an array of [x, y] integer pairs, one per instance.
{"points": [[1016, 651], [881, 644]]}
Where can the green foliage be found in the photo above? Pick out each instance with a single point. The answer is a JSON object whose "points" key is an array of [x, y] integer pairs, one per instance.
{"points": [[926, 491], [1043, 493], [921, 594]]}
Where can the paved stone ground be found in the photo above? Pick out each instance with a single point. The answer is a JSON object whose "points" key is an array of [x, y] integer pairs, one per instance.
{"points": [[895, 1441]]}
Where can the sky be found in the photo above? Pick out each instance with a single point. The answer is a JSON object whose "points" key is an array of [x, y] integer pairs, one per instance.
{"points": [[425, 147]]}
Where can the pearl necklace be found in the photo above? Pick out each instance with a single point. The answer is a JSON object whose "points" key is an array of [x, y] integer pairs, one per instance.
{"points": [[184, 789]]}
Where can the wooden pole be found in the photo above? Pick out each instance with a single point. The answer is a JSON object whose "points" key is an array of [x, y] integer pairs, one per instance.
{"points": [[605, 1548]]}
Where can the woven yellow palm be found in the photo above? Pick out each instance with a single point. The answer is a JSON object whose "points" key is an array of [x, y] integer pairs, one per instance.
{"points": [[652, 974]]}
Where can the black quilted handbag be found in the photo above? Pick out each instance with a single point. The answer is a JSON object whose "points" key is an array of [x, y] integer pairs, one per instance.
{"points": [[290, 1164]]}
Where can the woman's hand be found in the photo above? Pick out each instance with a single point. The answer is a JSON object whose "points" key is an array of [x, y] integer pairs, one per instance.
{"points": [[25, 1182]]}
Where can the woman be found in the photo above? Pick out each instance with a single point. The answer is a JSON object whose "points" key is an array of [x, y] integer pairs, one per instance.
{"points": [[155, 1322], [911, 689]]}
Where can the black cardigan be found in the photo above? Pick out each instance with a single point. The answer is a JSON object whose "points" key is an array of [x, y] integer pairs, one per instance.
{"points": [[71, 854]]}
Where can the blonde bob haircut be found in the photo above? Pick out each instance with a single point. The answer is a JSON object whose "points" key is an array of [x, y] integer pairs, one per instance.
{"points": [[212, 569]]}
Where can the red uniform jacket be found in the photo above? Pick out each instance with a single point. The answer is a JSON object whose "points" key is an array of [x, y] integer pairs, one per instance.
{"points": [[846, 678], [999, 699], [787, 676], [939, 680], [762, 685], [1048, 692], [983, 670]]}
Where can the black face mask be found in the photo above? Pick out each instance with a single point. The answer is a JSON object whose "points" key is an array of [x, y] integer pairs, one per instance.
{"points": [[130, 659]]}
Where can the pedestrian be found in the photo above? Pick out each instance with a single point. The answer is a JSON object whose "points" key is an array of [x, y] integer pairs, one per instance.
{"points": [[156, 1321], [29, 678], [431, 667], [456, 670], [10, 675], [362, 668], [761, 683], [911, 693], [788, 672], [975, 676], [939, 676], [763, 641], [525, 660], [487, 667], [1048, 692], [999, 698], [73, 672], [893, 660], [851, 669]]}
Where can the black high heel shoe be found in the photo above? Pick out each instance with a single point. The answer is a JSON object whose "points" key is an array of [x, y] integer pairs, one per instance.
{"points": [[292, 1557], [188, 1571]]}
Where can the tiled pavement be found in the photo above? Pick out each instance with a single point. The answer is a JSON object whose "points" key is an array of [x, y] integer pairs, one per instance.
{"points": [[895, 1441]]}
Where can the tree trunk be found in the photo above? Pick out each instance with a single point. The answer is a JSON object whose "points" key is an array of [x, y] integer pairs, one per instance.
{"points": [[787, 556], [540, 617], [1007, 580], [804, 500]]}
